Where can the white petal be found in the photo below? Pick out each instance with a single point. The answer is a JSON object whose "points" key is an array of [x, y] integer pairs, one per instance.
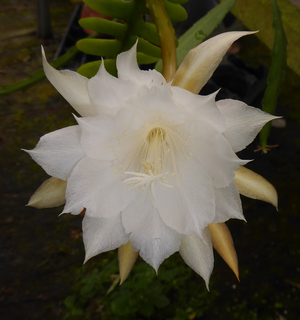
{"points": [[148, 234], [202, 106], [72, 86], [213, 152], [198, 254], [107, 137], [58, 152], [200, 63], [243, 123], [128, 70], [228, 204], [94, 185], [100, 235], [157, 106], [108, 93], [189, 206], [95, 136]]}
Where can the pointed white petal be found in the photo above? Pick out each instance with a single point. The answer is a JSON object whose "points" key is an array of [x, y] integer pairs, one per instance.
{"points": [[198, 254], [202, 106], [95, 185], [213, 152], [228, 204], [128, 70], [156, 104], [190, 205], [50, 194], [108, 94], [254, 186], [148, 234], [100, 235], [72, 86], [58, 152], [243, 122], [200, 63], [95, 136]]}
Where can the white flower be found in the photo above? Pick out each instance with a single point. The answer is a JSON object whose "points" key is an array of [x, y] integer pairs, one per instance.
{"points": [[153, 164]]}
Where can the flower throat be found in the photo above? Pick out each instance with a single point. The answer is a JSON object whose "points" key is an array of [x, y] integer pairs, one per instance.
{"points": [[154, 151]]}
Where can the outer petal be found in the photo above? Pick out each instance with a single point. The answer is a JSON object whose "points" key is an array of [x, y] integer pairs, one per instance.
{"points": [[243, 123], [213, 152], [189, 206], [96, 186], [100, 235], [58, 152], [200, 63], [128, 70], [95, 134], [72, 86], [148, 233], [156, 105], [198, 254], [50, 194], [203, 106], [108, 93], [228, 204], [252, 185]]}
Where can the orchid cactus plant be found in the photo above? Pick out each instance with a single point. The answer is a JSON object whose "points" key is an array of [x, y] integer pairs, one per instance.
{"points": [[151, 164]]}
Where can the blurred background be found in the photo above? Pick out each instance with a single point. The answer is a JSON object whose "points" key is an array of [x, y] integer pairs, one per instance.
{"points": [[41, 254]]}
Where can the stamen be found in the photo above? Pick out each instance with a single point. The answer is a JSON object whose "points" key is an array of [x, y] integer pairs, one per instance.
{"points": [[142, 181]]}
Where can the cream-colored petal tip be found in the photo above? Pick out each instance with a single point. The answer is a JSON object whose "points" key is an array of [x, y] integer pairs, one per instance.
{"points": [[50, 194], [223, 243], [254, 186], [127, 258]]}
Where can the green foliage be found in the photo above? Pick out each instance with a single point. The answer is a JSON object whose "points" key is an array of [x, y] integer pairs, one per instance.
{"points": [[126, 27], [144, 295], [276, 73], [200, 30]]}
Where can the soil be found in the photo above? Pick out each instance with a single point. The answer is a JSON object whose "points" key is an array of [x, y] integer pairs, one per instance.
{"points": [[41, 252]]}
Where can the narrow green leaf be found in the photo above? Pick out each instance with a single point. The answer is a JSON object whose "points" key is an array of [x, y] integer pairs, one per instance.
{"points": [[39, 75], [148, 48], [104, 26], [91, 68], [100, 47], [175, 12], [113, 8], [276, 73], [143, 58], [200, 30], [147, 31]]}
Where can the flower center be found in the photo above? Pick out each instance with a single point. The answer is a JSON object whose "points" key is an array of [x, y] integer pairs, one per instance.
{"points": [[152, 154], [154, 151]]}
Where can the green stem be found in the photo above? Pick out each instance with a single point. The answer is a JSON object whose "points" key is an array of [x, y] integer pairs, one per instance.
{"points": [[276, 73], [166, 33]]}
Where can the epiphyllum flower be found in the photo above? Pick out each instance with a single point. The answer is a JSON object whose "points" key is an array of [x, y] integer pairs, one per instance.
{"points": [[152, 163]]}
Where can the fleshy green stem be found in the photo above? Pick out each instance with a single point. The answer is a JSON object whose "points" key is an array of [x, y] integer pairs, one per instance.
{"points": [[166, 33], [276, 73]]}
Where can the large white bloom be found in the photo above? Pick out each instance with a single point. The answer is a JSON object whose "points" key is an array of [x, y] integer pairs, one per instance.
{"points": [[151, 163]]}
